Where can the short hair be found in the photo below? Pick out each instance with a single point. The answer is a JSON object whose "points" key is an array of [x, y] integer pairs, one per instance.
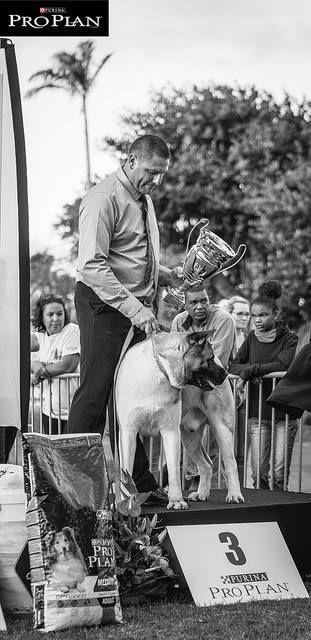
{"points": [[148, 146], [233, 300], [196, 287], [269, 292], [37, 321]]}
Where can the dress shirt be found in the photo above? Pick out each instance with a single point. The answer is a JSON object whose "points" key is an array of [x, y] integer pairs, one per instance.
{"points": [[113, 244], [218, 320]]}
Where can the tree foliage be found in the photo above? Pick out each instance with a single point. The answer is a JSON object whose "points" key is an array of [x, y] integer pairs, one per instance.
{"points": [[49, 277], [242, 160]]}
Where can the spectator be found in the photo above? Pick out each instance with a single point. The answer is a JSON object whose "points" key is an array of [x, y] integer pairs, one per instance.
{"points": [[56, 342], [200, 315], [239, 309], [268, 348]]}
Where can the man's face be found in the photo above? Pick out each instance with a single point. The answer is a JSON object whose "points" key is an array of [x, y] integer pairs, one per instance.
{"points": [[197, 304], [147, 173]]}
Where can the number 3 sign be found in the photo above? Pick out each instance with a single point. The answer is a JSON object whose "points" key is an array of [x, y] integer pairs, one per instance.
{"points": [[236, 562]]}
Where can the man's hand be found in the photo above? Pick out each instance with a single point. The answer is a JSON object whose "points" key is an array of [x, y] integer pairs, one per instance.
{"points": [[175, 277], [145, 320]]}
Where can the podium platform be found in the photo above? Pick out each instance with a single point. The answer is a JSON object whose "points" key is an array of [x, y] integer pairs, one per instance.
{"points": [[292, 512]]}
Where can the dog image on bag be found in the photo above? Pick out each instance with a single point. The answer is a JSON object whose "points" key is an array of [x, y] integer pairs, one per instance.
{"points": [[66, 566]]}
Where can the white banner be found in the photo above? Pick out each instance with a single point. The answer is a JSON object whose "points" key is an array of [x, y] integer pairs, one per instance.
{"points": [[9, 263], [228, 563], [14, 248]]}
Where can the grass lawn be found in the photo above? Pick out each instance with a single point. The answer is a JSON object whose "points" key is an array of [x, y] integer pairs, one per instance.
{"points": [[287, 620]]}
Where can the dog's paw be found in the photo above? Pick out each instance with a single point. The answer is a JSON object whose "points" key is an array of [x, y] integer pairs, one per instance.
{"points": [[234, 498], [177, 504], [196, 496]]}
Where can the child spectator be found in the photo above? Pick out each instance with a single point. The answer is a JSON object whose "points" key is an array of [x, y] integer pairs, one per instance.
{"points": [[269, 347]]}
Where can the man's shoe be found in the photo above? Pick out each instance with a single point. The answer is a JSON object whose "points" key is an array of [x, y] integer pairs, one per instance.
{"points": [[157, 497]]}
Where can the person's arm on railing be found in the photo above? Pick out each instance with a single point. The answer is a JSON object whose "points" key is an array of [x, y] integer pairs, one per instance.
{"points": [[240, 365], [67, 364], [284, 358]]}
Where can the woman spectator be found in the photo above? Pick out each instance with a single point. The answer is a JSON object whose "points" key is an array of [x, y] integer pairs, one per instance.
{"points": [[268, 348], [239, 309], [57, 343]]}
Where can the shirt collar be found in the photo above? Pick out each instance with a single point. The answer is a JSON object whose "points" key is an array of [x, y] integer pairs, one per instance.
{"points": [[186, 324], [127, 184]]}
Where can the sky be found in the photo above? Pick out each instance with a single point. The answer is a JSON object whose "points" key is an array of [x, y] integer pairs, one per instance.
{"points": [[155, 43]]}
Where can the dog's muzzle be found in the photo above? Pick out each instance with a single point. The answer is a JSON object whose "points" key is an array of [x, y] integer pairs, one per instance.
{"points": [[208, 377]]}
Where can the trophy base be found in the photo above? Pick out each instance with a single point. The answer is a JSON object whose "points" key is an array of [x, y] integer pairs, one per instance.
{"points": [[175, 297]]}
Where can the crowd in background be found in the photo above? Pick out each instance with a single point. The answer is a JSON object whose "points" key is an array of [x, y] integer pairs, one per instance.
{"points": [[248, 337]]}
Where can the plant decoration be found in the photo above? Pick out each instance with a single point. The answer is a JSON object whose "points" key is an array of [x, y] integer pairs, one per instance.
{"points": [[143, 571]]}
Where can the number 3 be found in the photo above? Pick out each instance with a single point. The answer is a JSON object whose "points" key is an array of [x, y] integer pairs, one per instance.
{"points": [[236, 555]]}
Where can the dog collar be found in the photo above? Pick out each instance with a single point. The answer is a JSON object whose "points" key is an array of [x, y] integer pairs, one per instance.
{"points": [[157, 358]]}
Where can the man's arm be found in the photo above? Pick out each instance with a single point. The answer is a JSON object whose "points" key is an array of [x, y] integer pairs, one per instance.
{"points": [[97, 224], [170, 277]]}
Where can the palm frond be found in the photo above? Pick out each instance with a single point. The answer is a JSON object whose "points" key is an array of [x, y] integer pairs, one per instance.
{"points": [[48, 85], [100, 66]]}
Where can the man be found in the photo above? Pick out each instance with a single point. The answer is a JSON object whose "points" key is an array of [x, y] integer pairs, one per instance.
{"points": [[200, 315], [118, 274]]}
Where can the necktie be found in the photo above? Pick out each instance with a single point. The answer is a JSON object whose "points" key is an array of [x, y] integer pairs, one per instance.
{"points": [[150, 257]]}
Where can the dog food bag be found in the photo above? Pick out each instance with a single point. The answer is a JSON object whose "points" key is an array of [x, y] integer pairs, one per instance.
{"points": [[70, 535]]}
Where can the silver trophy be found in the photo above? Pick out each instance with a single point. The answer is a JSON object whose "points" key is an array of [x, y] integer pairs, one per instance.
{"points": [[207, 257]]}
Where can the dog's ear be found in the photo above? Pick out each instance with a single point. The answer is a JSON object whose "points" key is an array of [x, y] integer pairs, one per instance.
{"points": [[199, 337], [48, 542], [69, 533]]}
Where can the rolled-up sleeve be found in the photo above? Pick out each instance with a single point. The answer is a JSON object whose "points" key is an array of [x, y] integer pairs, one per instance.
{"points": [[98, 217]]}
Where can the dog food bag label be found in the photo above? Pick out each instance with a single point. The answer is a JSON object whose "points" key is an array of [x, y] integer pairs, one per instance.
{"points": [[70, 534]]}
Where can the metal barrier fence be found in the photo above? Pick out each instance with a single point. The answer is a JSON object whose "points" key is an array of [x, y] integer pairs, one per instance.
{"points": [[56, 389]]}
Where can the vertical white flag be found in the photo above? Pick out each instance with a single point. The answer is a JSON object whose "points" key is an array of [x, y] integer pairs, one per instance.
{"points": [[14, 249]]}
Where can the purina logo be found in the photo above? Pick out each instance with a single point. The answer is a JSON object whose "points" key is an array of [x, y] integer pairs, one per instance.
{"points": [[71, 18], [52, 10]]}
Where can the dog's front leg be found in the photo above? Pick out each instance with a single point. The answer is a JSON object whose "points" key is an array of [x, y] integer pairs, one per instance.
{"points": [[220, 412], [171, 444], [193, 443]]}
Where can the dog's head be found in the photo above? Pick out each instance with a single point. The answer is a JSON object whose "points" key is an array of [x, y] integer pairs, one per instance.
{"points": [[201, 368], [61, 544], [188, 358]]}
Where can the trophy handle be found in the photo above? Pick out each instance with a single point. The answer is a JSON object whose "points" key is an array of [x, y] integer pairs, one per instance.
{"points": [[232, 261]]}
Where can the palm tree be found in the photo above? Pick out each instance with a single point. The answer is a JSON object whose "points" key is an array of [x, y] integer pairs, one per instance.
{"points": [[73, 72]]}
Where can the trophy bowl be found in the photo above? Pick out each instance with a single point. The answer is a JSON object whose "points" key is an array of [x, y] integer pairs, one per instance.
{"points": [[207, 257]]}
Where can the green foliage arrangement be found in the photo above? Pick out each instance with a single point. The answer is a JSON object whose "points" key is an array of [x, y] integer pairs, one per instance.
{"points": [[143, 569]]}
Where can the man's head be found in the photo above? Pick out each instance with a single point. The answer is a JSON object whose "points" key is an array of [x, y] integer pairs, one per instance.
{"points": [[147, 162], [197, 303]]}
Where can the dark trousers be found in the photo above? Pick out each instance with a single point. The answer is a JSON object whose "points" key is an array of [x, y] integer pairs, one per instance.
{"points": [[103, 331]]}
